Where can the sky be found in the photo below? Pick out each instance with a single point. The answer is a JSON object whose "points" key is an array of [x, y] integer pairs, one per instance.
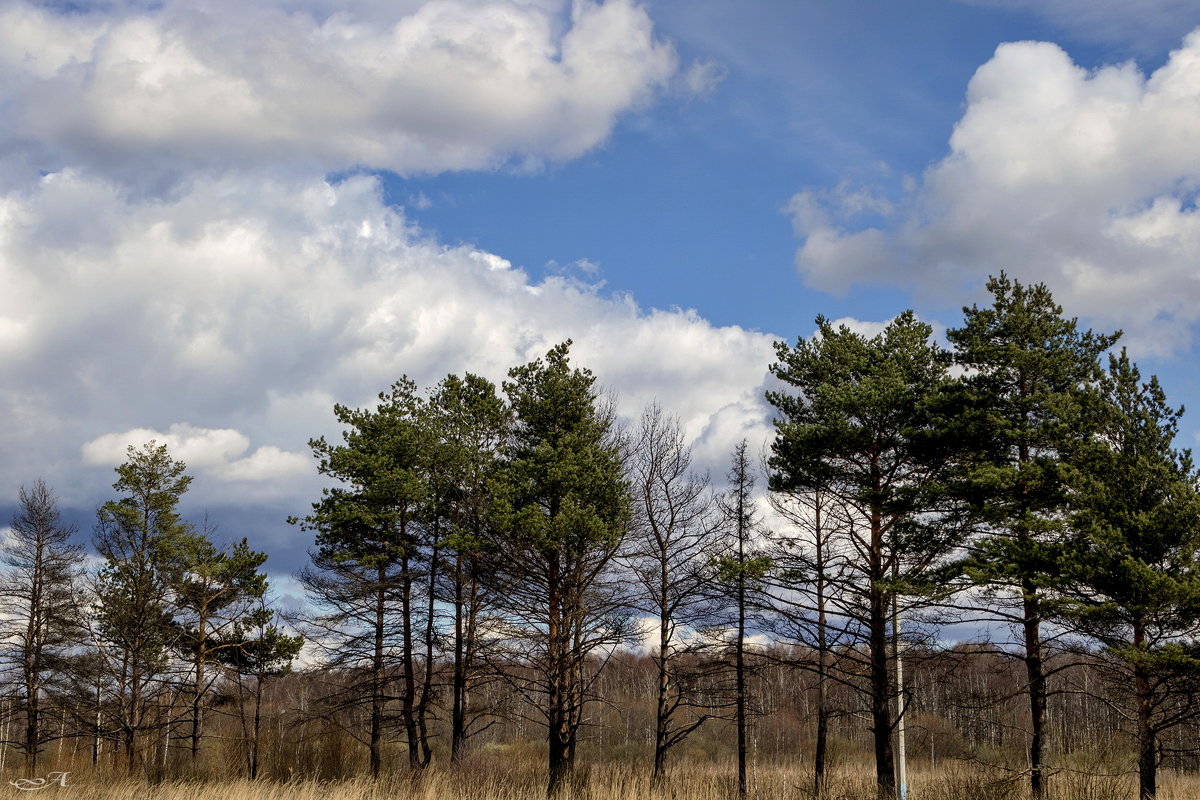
{"points": [[218, 219]]}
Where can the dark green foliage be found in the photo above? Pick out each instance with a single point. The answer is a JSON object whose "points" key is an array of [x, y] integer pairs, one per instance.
{"points": [[1027, 371], [369, 565], [563, 487], [371, 519], [866, 426], [1131, 574], [562, 509], [145, 546], [469, 423]]}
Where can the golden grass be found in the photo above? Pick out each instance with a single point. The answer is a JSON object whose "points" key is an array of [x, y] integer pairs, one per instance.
{"points": [[523, 781]]}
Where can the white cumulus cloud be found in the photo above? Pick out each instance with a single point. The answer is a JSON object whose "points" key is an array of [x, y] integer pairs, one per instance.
{"points": [[248, 307], [214, 452], [443, 85], [1086, 180]]}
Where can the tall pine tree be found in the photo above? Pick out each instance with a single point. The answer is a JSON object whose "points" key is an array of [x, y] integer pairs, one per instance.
{"points": [[863, 427], [1026, 366], [1131, 574], [144, 543], [563, 510]]}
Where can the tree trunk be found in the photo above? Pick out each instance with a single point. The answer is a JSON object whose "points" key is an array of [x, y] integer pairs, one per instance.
{"points": [[1035, 675], [459, 680], [663, 715], [1147, 736], [408, 702], [881, 717], [559, 761], [739, 653], [31, 728], [426, 699], [822, 739], [197, 692], [376, 732]]}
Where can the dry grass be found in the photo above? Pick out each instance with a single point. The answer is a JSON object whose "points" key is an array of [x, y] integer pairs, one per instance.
{"points": [[493, 780]]}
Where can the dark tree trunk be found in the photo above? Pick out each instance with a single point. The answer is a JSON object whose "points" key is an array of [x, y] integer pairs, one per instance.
{"points": [[880, 678], [375, 742], [1035, 675], [408, 703], [426, 698], [458, 710], [822, 739], [1147, 735], [663, 715], [740, 669], [558, 727], [881, 717]]}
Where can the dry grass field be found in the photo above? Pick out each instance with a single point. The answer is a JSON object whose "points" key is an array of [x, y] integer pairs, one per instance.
{"points": [[498, 781]]}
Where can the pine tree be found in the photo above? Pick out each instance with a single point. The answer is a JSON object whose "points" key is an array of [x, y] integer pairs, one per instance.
{"points": [[1027, 366], [1131, 572], [366, 578], [740, 574], [562, 514], [469, 422], [864, 427], [142, 540], [217, 587]]}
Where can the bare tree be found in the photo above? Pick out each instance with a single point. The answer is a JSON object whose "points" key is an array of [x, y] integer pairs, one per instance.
{"points": [[808, 566], [740, 574], [38, 604], [670, 552]]}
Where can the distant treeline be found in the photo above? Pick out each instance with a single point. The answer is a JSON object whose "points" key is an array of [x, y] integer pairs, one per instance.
{"points": [[495, 564]]}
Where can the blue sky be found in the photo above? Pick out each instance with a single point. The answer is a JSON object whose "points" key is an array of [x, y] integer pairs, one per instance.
{"points": [[217, 219]]}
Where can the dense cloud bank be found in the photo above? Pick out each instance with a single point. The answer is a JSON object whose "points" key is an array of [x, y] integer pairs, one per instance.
{"points": [[179, 264]]}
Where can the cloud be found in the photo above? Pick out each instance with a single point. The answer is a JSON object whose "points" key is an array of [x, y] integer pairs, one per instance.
{"points": [[1083, 179], [215, 452], [444, 85], [702, 78], [248, 307]]}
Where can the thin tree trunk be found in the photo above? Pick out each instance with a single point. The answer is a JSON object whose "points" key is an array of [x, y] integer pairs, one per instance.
{"points": [[822, 742], [408, 703], [1035, 675], [880, 681], [662, 717], [197, 692], [426, 698], [1147, 737], [558, 728], [740, 652], [459, 679], [376, 732], [257, 738]]}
